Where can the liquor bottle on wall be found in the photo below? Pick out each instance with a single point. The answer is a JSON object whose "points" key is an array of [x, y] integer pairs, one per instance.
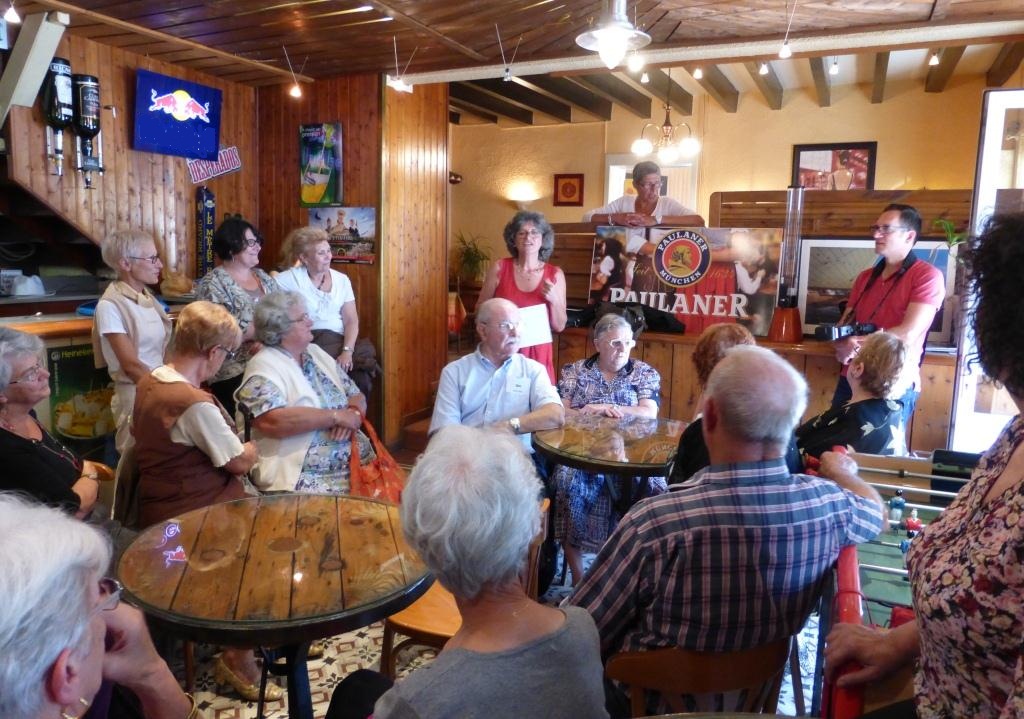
{"points": [[58, 111], [89, 144]]}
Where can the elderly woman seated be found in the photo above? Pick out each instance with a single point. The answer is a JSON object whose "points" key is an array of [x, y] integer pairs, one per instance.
{"points": [[306, 411], [470, 510], [64, 635], [870, 421]]}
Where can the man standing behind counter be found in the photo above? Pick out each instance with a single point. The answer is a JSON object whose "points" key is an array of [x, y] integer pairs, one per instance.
{"points": [[899, 294], [495, 385]]}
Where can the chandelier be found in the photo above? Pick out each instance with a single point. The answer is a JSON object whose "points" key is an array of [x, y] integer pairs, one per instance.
{"points": [[614, 37], [667, 144]]}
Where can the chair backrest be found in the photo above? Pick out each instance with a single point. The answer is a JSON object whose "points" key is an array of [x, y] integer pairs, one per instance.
{"points": [[126, 501], [754, 675], [529, 576]]}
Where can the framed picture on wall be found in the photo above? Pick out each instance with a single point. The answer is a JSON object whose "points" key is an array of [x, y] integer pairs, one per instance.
{"points": [[568, 190], [838, 166], [828, 268]]}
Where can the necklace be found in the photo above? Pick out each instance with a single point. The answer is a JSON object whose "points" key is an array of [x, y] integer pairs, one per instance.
{"points": [[530, 270], [323, 278]]}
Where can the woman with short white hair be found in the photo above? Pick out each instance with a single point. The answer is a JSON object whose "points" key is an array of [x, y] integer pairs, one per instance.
{"points": [[60, 615]]}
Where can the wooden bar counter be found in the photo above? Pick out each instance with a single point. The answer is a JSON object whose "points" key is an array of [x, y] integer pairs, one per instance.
{"points": [[671, 354]]}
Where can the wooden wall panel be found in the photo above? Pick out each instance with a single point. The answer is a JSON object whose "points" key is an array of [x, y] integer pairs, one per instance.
{"points": [[413, 253], [139, 190]]}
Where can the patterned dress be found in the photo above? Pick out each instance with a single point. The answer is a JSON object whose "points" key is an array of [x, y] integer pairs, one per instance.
{"points": [[584, 516], [967, 576], [326, 467]]}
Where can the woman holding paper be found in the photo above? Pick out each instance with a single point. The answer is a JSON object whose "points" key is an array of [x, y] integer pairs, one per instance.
{"points": [[527, 280]]}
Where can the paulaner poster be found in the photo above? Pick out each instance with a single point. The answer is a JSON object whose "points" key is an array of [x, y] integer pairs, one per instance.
{"points": [[703, 276], [320, 178]]}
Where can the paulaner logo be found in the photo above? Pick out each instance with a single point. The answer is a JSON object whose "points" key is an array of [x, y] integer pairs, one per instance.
{"points": [[682, 258], [180, 105]]}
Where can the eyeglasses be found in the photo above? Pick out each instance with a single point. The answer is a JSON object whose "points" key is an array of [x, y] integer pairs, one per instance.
{"points": [[152, 259], [110, 595], [506, 326], [649, 185], [621, 344], [30, 375], [304, 318], [529, 233], [228, 354], [886, 229], [252, 242]]}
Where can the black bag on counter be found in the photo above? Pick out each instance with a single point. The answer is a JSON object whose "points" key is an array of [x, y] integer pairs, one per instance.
{"points": [[640, 317]]}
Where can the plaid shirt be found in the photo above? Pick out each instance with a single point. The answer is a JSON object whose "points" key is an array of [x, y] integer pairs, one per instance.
{"points": [[733, 559]]}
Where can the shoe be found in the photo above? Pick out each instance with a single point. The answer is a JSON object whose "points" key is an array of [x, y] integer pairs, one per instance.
{"points": [[223, 675]]}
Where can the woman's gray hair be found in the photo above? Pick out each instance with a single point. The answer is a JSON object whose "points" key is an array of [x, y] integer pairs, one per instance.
{"points": [[13, 345], [121, 244], [644, 168], [49, 562], [271, 316], [547, 243], [759, 396], [609, 322], [471, 508]]}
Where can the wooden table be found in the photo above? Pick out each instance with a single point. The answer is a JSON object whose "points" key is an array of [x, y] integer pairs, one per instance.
{"points": [[275, 570], [627, 447]]}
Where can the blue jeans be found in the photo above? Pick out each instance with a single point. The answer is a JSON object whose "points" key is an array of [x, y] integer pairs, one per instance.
{"points": [[844, 392]]}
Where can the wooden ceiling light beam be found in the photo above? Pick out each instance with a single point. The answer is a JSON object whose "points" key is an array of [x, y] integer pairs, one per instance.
{"points": [[569, 91], [768, 84], [475, 97], [821, 86], [614, 89], [878, 81], [1010, 56], [938, 76], [526, 97], [665, 89], [716, 84]]}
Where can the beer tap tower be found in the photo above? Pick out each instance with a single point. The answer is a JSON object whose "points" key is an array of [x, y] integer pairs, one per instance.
{"points": [[786, 326], [88, 142], [58, 111]]}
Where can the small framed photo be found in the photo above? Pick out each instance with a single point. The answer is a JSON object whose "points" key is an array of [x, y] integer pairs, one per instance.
{"points": [[568, 190], [837, 166]]}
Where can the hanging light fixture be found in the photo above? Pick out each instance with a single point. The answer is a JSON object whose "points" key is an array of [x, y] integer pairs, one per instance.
{"points": [[698, 74], [507, 77], [398, 83], [786, 52], [645, 78], [762, 68], [934, 59], [635, 62], [666, 144], [834, 67], [12, 15], [295, 90], [614, 37]]}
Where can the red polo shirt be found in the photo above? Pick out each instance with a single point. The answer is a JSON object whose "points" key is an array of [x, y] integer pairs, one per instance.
{"points": [[885, 303]]}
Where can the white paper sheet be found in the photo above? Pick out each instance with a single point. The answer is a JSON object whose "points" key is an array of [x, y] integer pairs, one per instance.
{"points": [[534, 327]]}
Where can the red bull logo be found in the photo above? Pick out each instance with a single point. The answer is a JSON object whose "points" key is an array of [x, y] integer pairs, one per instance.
{"points": [[179, 105]]}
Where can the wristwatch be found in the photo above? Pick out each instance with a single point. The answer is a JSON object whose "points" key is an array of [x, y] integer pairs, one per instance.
{"points": [[514, 424], [346, 348]]}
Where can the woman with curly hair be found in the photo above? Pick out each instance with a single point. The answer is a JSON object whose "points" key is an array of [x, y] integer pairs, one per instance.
{"points": [[526, 279], [965, 568]]}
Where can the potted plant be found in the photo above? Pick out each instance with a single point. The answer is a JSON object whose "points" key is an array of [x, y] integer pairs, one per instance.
{"points": [[470, 259]]}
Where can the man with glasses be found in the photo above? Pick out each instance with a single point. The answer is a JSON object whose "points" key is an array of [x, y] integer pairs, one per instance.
{"points": [[899, 294], [495, 385]]}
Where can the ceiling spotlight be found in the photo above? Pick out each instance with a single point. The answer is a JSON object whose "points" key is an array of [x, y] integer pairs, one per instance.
{"points": [[11, 15], [507, 77], [635, 62], [785, 51], [644, 78], [833, 69], [397, 82], [614, 37], [763, 69], [295, 91], [698, 74], [934, 59]]}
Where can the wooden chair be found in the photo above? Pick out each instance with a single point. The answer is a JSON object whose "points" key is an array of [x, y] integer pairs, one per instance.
{"points": [[754, 675], [434, 618]]}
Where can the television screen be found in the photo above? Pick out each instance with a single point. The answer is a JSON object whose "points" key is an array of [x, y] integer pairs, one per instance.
{"points": [[176, 117]]}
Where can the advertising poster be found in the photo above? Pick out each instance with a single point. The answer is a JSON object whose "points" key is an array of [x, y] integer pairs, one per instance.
{"points": [[80, 400], [703, 276], [352, 232], [320, 179]]}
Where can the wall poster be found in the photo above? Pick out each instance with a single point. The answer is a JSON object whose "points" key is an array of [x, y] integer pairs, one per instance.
{"points": [[80, 400], [320, 178], [352, 232]]}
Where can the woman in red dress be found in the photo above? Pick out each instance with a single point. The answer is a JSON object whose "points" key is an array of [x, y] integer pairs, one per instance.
{"points": [[526, 279]]}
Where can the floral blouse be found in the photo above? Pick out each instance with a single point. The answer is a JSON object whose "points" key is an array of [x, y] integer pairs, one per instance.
{"points": [[218, 287], [967, 577], [871, 425], [583, 383], [326, 466]]}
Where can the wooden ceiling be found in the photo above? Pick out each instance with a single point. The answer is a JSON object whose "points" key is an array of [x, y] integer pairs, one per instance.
{"points": [[242, 40]]}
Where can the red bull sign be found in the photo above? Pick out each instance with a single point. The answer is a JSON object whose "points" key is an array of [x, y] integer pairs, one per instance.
{"points": [[176, 117]]}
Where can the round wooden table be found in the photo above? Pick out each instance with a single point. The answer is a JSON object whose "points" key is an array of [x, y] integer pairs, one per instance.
{"points": [[275, 570]]}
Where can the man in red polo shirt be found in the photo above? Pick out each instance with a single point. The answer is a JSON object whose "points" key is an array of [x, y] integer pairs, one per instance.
{"points": [[899, 294]]}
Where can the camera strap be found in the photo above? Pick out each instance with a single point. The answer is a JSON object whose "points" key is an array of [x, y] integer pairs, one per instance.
{"points": [[876, 272]]}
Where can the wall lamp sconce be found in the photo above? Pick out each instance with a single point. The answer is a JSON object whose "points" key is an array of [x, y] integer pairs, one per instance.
{"points": [[522, 193]]}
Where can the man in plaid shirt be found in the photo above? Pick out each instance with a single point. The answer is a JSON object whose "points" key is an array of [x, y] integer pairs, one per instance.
{"points": [[737, 556]]}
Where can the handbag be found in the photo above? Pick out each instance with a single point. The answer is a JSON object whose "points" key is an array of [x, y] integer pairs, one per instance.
{"points": [[381, 478]]}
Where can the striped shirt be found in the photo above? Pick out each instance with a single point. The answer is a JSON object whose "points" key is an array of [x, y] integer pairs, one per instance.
{"points": [[733, 559]]}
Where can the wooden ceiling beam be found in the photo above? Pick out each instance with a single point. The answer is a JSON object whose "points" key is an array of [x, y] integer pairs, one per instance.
{"points": [[940, 8], [938, 76], [716, 84], [768, 84], [570, 92], [880, 76], [821, 86], [1006, 63], [474, 111], [664, 89], [611, 88], [476, 97], [454, 117], [526, 97]]}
